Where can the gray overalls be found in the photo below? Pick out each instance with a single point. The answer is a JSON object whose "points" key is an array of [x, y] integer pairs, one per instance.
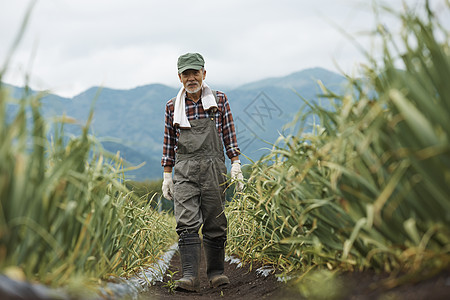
{"points": [[199, 198], [199, 179]]}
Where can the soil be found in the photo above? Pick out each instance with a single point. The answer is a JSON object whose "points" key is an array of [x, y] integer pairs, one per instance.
{"points": [[246, 283]]}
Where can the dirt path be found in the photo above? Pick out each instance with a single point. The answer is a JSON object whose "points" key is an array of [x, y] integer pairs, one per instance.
{"points": [[247, 284]]}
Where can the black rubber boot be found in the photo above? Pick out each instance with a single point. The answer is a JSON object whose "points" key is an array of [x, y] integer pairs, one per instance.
{"points": [[215, 258], [190, 254]]}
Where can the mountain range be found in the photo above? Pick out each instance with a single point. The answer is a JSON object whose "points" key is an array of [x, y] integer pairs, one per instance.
{"points": [[132, 121]]}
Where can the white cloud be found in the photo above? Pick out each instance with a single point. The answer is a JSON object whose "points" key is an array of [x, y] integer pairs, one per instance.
{"points": [[127, 43]]}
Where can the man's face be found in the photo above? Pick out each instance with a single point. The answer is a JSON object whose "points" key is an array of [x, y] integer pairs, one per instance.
{"points": [[192, 80]]}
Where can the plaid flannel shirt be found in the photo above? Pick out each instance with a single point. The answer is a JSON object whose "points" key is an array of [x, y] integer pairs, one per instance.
{"points": [[194, 111]]}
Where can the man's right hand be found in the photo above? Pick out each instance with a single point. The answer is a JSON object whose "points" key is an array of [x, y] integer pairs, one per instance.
{"points": [[167, 186]]}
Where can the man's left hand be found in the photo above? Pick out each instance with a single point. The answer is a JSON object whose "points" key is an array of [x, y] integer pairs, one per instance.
{"points": [[236, 175]]}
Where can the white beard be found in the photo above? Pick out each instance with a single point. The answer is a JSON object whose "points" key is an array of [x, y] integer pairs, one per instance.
{"points": [[193, 91]]}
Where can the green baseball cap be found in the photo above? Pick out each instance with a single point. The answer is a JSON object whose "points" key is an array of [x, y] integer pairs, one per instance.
{"points": [[190, 61]]}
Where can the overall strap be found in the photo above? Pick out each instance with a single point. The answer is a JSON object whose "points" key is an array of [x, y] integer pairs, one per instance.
{"points": [[212, 111]]}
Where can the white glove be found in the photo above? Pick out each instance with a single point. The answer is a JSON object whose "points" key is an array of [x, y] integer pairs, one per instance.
{"points": [[167, 186], [236, 175]]}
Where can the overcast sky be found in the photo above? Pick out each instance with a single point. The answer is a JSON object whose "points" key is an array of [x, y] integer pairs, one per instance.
{"points": [[71, 45]]}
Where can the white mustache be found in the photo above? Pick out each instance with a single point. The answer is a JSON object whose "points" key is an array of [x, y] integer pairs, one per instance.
{"points": [[193, 89]]}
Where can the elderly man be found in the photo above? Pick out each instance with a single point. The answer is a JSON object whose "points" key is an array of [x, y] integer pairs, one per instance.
{"points": [[198, 124]]}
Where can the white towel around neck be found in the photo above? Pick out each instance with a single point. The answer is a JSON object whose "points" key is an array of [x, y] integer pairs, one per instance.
{"points": [[179, 114]]}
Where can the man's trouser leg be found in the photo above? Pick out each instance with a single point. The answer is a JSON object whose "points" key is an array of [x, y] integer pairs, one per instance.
{"points": [[215, 258], [189, 245]]}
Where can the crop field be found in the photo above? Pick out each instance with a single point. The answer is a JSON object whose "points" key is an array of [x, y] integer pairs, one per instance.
{"points": [[364, 187], [368, 185], [65, 214]]}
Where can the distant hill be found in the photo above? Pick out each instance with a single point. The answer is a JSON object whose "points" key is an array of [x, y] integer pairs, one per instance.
{"points": [[132, 121], [297, 81]]}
